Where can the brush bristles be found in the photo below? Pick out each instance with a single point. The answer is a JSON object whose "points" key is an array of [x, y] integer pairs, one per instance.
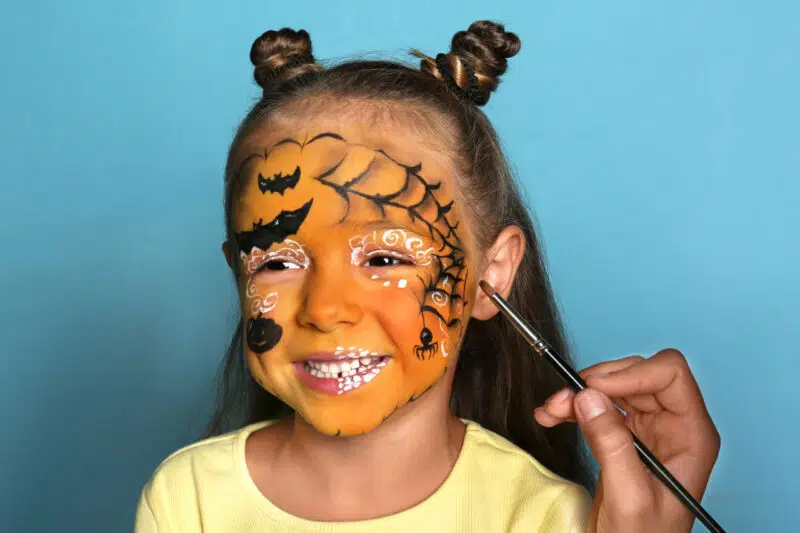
{"points": [[488, 289]]}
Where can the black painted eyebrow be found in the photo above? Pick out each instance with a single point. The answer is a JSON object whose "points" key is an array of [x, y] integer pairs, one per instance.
{"points": [[276, 230], [246, 160], [326, 135], [287, 141]]}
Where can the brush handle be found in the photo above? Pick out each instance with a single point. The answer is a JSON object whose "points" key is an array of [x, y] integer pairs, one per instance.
{"points": [[574, 380], [674, 485]]}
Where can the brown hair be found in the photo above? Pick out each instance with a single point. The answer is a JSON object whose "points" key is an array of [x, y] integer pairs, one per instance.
{"points": [[499, 380]]}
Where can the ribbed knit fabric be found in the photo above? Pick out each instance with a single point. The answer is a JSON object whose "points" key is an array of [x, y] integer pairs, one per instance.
{"points": [[493, 487]]}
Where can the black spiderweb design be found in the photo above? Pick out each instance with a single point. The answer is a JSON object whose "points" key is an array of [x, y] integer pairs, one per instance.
{"points": [[444, 287]]}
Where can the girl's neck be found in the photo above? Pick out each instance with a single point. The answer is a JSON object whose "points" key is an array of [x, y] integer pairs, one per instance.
{"points": [[392, 468]]}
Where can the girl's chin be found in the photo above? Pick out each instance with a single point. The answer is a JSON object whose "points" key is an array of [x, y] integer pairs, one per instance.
{"points": [[337, 426]]}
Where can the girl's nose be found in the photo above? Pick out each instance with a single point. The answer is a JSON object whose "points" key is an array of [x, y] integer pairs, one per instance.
{"points": [[331, 301]]}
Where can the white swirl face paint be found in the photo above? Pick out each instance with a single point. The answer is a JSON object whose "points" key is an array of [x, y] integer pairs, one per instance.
{"points": [[443, 344], [288, 250], [365, 245], [439, 298], [261, 304], [393, 237]]}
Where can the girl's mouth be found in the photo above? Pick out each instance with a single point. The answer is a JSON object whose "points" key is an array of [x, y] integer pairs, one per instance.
{"points": [[340, 373]]}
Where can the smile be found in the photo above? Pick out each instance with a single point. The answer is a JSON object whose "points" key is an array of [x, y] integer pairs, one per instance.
{"points": [[341, 372]]}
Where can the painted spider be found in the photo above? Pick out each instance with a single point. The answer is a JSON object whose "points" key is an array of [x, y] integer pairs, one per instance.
{"points": [[428, 348]]}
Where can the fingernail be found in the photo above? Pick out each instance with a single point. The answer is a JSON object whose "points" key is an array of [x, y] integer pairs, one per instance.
{"points": [[560, 396], [591, 404]]}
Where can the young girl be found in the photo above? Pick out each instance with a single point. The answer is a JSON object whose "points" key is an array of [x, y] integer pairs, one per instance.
{"points": [[371, 386]]}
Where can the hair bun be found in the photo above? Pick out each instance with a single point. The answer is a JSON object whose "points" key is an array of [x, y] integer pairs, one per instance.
{"points": [[488, 42], [477, 59], [485, 47], [281, 55]]}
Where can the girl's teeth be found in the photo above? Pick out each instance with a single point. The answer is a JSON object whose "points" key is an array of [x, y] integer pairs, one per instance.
{"points": [[351, 373]]}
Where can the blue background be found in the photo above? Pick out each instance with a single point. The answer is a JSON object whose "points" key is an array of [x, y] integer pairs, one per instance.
{"points": [[658, 142]]}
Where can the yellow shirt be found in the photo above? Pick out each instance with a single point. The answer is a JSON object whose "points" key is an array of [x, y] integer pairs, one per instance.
{"points": [[494, 487]]}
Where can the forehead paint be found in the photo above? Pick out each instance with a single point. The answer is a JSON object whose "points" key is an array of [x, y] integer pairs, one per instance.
{"points": [[279, 183], [265, 235]]}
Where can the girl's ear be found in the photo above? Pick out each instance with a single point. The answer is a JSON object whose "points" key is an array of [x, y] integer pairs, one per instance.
{"points": [[226, 251], [499, 269]]}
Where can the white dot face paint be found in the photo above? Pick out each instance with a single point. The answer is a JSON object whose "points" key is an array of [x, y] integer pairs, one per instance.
{"points": [[387, 283], [402, 284]]}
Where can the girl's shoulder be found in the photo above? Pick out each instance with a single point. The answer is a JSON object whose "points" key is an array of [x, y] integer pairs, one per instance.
{"points": [[212, 469], [219, 453], [490, 447], [496, 462]]}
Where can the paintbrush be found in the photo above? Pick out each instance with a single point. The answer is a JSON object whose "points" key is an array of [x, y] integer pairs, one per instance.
{"points": [[576, 383]]}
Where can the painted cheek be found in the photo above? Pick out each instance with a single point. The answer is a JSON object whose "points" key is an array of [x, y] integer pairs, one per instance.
{"points": [[262, 333], [260, 303], [402, 318]]}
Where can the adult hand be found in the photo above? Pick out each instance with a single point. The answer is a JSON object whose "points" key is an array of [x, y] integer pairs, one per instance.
{"points": [[666, 411]]}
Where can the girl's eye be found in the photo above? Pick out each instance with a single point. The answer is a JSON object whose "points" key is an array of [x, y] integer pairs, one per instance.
{"points": [[386, 260], [277, 265]]}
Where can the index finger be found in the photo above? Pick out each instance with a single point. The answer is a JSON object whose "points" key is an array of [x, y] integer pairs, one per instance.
{"points": [[606, 367], [666, 376]]}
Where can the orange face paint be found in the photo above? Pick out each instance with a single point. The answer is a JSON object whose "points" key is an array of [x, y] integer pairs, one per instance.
{"points": [[352, 275]]}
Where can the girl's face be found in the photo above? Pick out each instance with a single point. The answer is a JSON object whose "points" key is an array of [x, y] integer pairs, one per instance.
{"points": [[354, 262]]}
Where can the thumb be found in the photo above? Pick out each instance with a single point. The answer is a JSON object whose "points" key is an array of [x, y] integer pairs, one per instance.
{"points": [[625, 478]]}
